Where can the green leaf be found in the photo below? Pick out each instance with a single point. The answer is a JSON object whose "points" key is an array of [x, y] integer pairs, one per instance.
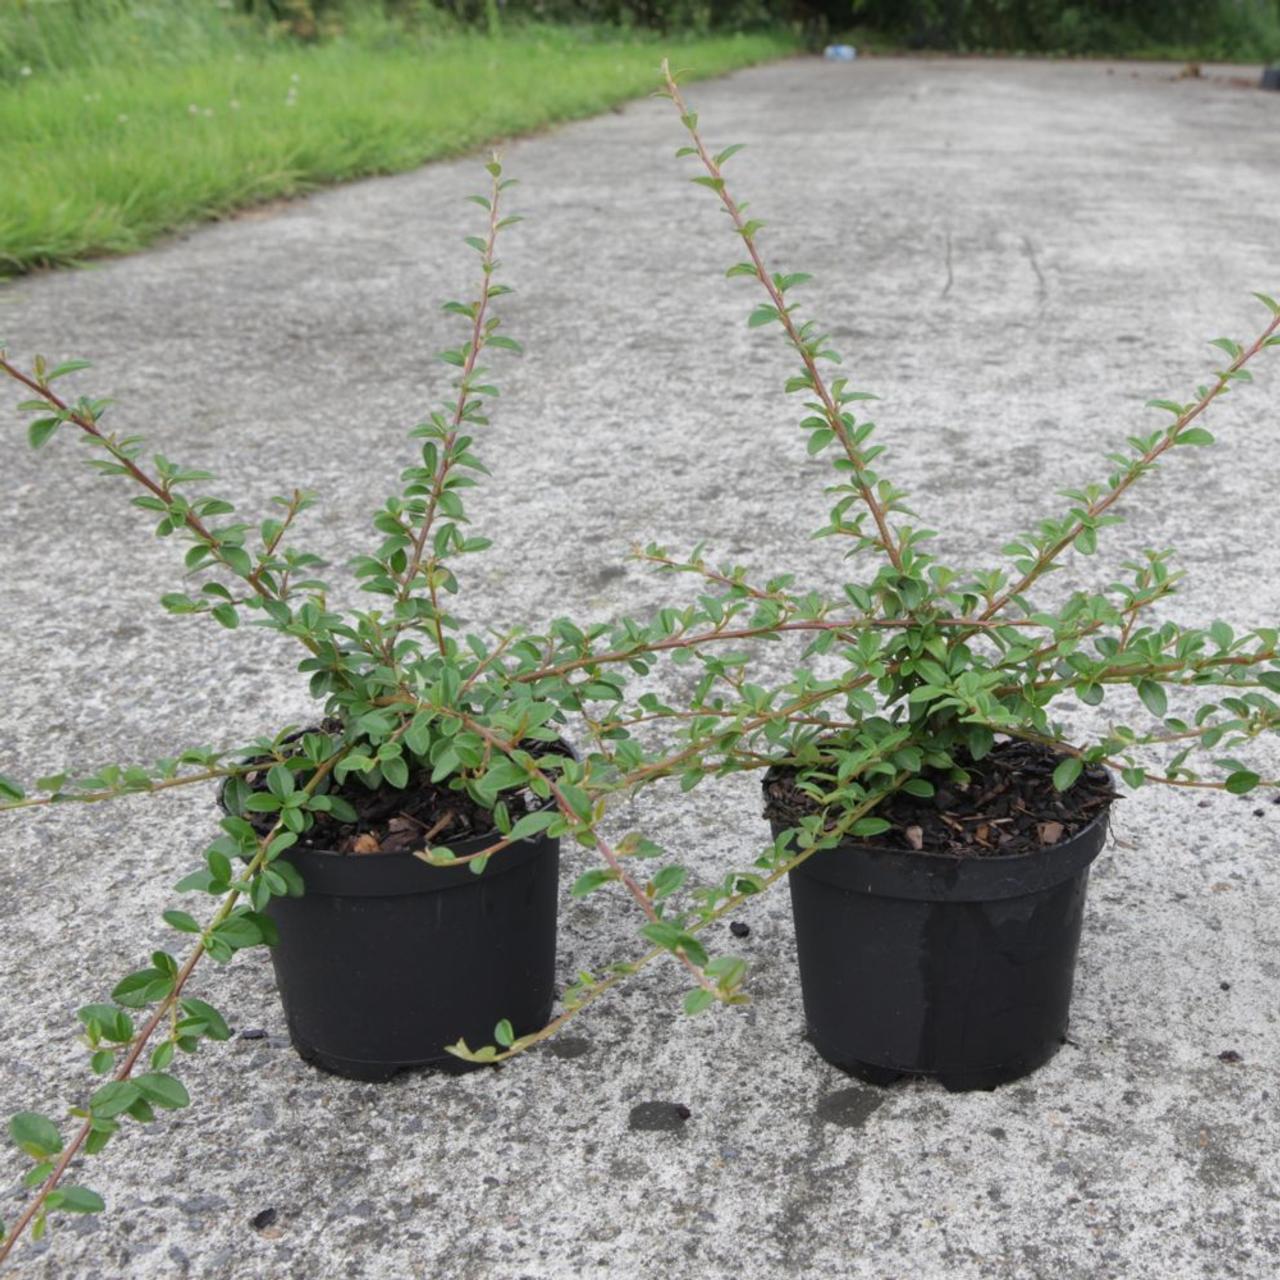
{"points": [[869, 827], [577, 800], [36, 1136], [111, 1023], [531, 824], [80, 1200], [285, 840], [1195, 435], [1153, 697], [417, 737], [237, 560], [504, 1033], [1068, 770], [728, 971], [198, 881], [698, 999], [280, 781], [791, 281], [141, 988], [214, 1025], [181, 921], [599, 691], [589, 881], [341, 810], [668, 881], [239, 932], [762, 315], [114, 1099], [163, 1090], [9, 789], [1242, 781], [918, 787], [40, 430]]}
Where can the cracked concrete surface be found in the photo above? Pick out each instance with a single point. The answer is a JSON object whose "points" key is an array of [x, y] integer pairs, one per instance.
{"points": [[1015, 255]]}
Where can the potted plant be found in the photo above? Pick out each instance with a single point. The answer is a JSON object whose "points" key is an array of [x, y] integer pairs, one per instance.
{"points": [[399, 850], [937, 935], [935, 824]]}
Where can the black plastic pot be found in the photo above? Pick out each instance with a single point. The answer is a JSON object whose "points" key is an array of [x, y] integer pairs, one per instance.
{"points": [[385, 959], [925, 964], [1271, 78]]}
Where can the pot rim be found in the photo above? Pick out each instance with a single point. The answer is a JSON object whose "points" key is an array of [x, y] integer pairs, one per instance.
{"points": [[952, 858], [941, 877]]}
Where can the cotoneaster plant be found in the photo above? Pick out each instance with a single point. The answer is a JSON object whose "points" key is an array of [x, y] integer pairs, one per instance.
{"points": [[425, 736], [955, 654], [919, 679]]}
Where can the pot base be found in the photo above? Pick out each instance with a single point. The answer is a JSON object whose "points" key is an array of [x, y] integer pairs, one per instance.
{"points": [[967, 1080], [371, 1072], [353, 1068]]}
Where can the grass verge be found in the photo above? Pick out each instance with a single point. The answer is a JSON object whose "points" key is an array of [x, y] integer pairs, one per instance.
{"points": [[104, 159]]}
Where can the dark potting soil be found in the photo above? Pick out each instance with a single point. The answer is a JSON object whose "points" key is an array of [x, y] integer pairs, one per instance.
{"points": [[1009, 806], [391, 821]]}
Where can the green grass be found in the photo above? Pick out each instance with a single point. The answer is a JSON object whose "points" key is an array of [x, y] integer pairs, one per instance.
{"points": [[105, 157]]}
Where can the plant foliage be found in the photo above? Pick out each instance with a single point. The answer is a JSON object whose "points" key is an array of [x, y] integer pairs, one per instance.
{"points": [[912, 669]]}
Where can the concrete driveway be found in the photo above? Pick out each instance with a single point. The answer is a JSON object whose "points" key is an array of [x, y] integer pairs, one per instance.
{"points": [[1015, 255]]}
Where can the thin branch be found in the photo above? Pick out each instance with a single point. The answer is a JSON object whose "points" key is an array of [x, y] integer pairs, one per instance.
{"points": [[158, 1015], [1137, 469], [446, 462], [831, 409], [90, 797]]}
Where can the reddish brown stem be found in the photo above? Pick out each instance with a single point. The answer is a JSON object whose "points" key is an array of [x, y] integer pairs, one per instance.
{"points": [[142, 1038], [1105, 503], [445, 464], [831, 410]]}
